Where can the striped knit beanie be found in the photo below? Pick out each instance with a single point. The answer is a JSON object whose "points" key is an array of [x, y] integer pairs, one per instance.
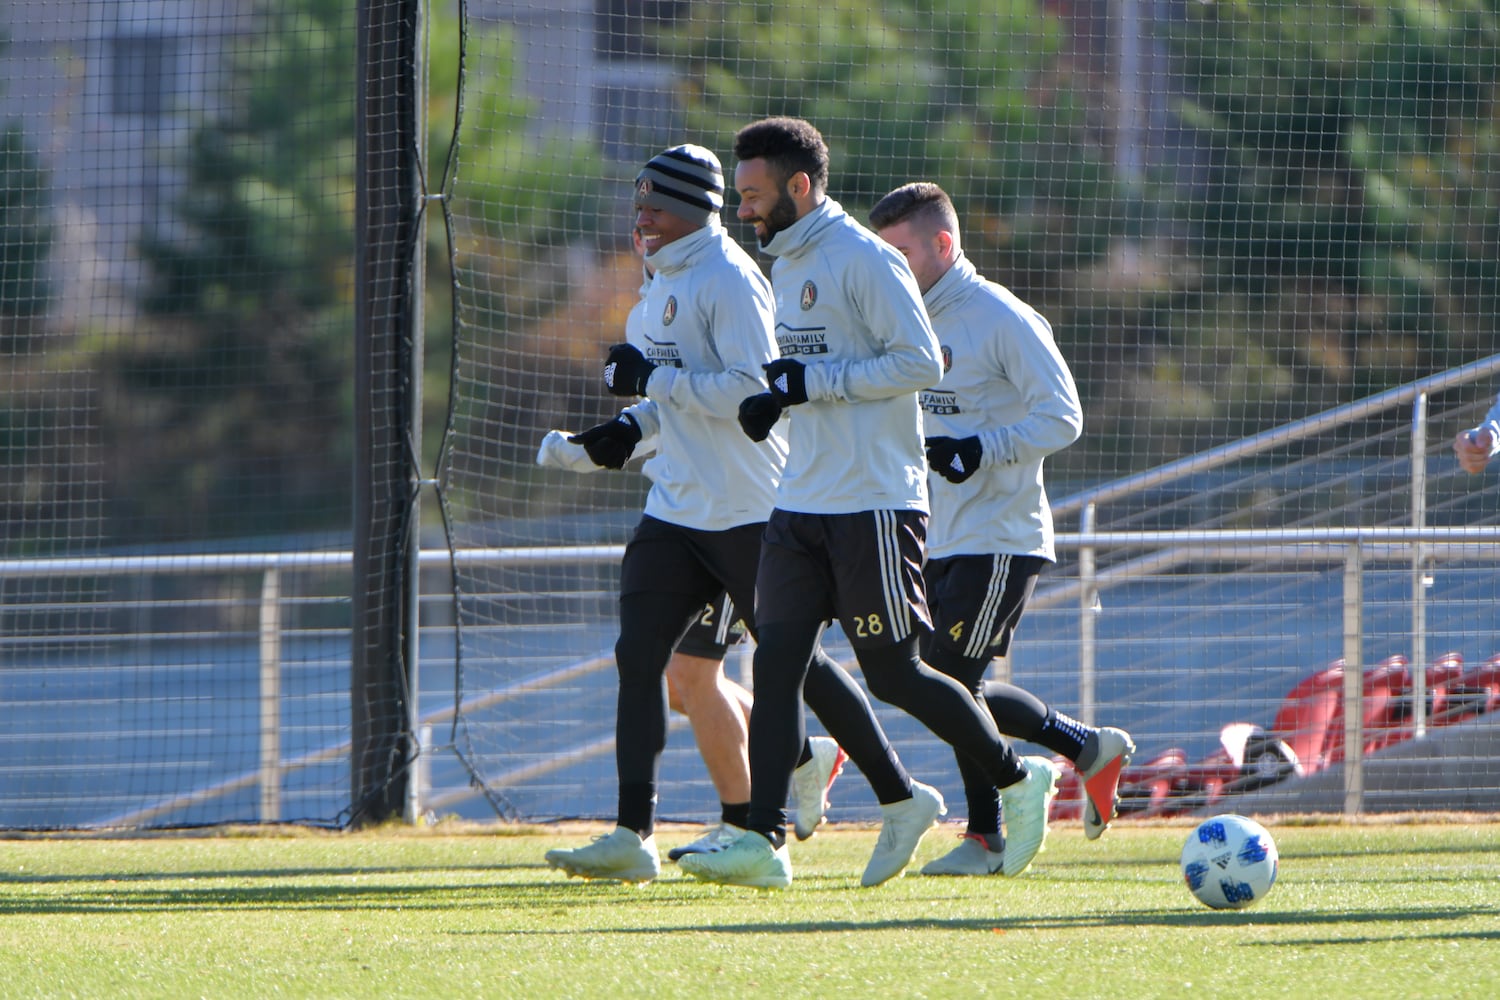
{"points": [[684, 180]]}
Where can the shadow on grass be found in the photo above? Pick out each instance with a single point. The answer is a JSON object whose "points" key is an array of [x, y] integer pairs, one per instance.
{"points": [[109, 896], [183, 874], [1185, 918]]}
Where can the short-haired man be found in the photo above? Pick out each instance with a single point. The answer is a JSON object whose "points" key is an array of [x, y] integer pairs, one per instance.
{"points": [[1006, 401]]}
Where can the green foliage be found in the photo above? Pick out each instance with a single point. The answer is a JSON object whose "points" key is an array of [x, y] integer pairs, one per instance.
{"points": [[531, 188], [25, 231], [28, 427], [268, 209], [242, 372], [1357, 153], [528, 192], [967, 94]]}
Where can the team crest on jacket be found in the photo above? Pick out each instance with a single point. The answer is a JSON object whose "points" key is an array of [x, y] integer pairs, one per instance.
{"points": [[947, 359], [669, 311], [809, 296]]}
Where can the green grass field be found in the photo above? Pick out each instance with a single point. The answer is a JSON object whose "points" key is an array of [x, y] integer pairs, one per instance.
{"points": [[1398, 909]]}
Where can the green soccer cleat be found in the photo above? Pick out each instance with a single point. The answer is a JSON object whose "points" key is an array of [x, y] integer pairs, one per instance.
{"points": [[620, 855], [749, 861], [715, 838], [1025, 805], [905, 824], [972, 856]]}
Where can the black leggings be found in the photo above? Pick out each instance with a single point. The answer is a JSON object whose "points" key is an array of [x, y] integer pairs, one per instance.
{"points": [[1017, 713], [651, 624], [650, 627], [896, 674]]}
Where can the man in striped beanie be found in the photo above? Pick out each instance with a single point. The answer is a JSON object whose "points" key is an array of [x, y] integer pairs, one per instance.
{"points": [[685, 180]]}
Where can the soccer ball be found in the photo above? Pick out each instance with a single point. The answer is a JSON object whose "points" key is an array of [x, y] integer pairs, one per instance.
{"points": [[1229, 862]]}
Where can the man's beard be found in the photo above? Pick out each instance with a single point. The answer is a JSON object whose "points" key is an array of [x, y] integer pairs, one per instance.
{"points": [[781, 216]]}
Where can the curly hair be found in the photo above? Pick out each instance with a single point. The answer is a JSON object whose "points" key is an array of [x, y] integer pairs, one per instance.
{"points": [[789, 145]]}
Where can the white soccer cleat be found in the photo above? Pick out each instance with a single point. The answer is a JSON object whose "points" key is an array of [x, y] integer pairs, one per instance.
{"points": [[1025, 805], [620, 855], [1101, 782], [972, 856], [715, 838], [749, 861], [906, 823], [811, 782]]}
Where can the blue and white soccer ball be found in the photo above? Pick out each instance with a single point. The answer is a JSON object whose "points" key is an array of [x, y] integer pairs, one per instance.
{"points": [[1229, 862]]}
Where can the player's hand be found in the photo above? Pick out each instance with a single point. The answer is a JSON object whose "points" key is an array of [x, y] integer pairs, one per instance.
{"points": [[788, 380], [758, 414], [1472, 448], [955, 459], [626, 371], [610, 444]]}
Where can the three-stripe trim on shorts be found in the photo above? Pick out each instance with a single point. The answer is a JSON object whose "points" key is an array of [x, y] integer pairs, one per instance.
{"points": [[888, 542], [982, 631]]}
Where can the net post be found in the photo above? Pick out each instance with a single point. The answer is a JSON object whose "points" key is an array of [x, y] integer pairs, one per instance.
{"points": [[387, 228]]}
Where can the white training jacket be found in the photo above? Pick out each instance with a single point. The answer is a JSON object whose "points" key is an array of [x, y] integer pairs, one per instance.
{"points": [[848, 308], [1005, 382], [705, 320]]}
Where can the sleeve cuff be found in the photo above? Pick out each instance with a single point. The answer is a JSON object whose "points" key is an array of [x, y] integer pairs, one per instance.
{"points": [[815, 381], [995, 448]]}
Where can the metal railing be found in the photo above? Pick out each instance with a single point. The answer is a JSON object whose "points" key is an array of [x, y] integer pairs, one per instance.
{"points": [[1353, 548]]}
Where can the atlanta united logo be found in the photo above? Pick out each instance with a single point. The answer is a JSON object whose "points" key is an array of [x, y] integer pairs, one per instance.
{"points": [[947, 360], [809, 296], [644, 188], [669, 313]]}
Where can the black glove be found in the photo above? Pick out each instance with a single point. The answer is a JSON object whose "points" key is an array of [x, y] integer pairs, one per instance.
{"points": [[626, 371], [758, 414], [609, 444], [788, 380], [955, 459]]}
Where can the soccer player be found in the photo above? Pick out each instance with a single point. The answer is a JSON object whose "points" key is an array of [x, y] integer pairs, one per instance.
{"points": [[707, 329], [1006, 401], [1474, 447], [717, 708], [846, 538]]}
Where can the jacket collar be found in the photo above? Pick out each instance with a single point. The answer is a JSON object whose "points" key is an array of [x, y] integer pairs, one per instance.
{"points": [[679, 254], [799, 235], [952, 287]]}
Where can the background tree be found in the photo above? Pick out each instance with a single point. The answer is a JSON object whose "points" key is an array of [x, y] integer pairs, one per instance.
{"points": [[982, 97], [30, 492], [1350, 199], [233, 404], [25, 238]]}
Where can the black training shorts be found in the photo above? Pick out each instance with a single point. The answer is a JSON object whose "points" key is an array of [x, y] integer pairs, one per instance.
{"points": [[865, 569], [977, 601], [714, 631]]}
